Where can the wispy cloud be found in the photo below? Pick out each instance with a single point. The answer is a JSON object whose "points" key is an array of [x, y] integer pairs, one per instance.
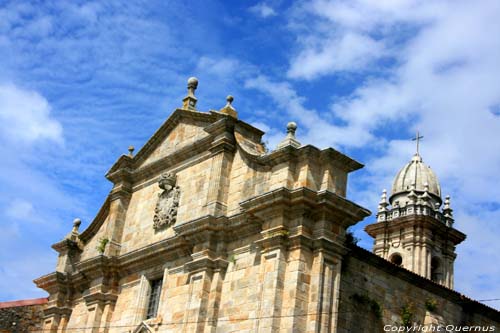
{"points": [[25, 116], [263, 10]]}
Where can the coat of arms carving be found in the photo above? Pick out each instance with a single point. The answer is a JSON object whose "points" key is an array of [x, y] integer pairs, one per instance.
{"points": [[168, 202]]}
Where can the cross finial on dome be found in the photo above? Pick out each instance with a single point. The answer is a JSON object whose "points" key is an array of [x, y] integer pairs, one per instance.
{"points": [[189, 102], [417, 138]]}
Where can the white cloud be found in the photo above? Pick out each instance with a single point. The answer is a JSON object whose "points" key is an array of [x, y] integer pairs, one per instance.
{"points": [[221, 67], [348, 52], [263, 10], [347, 36], [312, 127], [25, 116], [20, 209]]}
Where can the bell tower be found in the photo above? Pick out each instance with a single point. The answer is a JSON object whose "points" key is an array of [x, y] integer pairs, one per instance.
{"points": [[414, 229]]}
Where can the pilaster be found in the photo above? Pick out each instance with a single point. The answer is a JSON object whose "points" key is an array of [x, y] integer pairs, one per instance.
{"points": [[119, 200]]}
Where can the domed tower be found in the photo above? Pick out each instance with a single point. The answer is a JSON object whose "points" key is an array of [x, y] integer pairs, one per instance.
{"points": [[414, 229]]}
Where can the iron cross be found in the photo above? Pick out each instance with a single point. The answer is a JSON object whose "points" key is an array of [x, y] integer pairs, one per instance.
{"points": [[417, 138]]}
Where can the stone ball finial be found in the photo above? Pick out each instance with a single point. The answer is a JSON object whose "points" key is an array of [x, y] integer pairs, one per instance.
{"points": [[131, 150], [192, 83], [77, 222], [230, 99], [291, 127]]}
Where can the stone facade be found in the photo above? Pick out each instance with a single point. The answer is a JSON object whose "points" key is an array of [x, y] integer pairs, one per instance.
{"points": [[258, 243]]}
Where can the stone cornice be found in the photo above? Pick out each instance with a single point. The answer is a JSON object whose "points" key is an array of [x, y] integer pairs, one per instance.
{"points": [[424, 221], [96, 266], [57, 311], [205, 223], [313, 199], [222, 228], [51, 281], [328, 155], [160, 252], [100, 297], [204, 263], [67, 245]]}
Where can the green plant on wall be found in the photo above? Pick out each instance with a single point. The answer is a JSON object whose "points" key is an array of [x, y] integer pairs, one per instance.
{"points": [[373, 304], [431, 305], [102, 245], [407, 315]]}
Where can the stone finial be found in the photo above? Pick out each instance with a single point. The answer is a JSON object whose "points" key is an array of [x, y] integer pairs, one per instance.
{"points": [[73, 235], [412, 195], [426, 197], [189, 102], [447, 211], [382, 205], [76, 224], [383, 197], [131, 151], [228, 108], [290, 139]]}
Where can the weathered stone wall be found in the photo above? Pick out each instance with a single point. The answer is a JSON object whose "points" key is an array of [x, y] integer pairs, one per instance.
{"points": [[26, 318], [374, 293]]}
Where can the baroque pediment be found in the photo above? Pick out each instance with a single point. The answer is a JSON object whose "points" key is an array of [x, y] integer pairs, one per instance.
{"points": [[180, 130]]}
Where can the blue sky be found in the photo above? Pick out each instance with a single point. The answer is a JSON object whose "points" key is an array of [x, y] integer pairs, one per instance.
{"points": [[81, 81]]}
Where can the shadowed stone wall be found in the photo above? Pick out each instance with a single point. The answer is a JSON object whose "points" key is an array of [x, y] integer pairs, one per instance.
{"points": [[375, 293], [24, 318]]}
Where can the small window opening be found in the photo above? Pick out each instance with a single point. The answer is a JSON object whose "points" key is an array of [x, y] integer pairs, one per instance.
{"points": [[154, 298]]}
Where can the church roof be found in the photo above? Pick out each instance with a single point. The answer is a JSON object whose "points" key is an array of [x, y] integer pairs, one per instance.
{"points": [[418, 176]]}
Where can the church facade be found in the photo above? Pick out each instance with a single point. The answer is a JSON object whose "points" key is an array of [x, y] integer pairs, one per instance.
{"points": [[205, 230]]}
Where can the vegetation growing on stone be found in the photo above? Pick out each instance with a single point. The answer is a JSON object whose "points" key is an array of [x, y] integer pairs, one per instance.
{"points": [[102, 245]]}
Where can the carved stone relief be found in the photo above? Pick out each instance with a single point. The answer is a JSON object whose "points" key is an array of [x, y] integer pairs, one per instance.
{"points": [[168, 202]]}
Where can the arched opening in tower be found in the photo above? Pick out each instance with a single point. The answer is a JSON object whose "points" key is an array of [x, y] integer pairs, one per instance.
{"points": [[436, 272], [396, 259]]}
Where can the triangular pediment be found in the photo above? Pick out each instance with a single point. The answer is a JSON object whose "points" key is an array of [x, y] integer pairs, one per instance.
{"points": [[142, 328], [181, 129]]}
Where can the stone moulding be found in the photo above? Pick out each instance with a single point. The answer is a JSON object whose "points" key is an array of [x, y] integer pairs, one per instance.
{"points": [[167, 126], [452, 234], [130, 169], [93, 228], [322, 199], [200, 230]]}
